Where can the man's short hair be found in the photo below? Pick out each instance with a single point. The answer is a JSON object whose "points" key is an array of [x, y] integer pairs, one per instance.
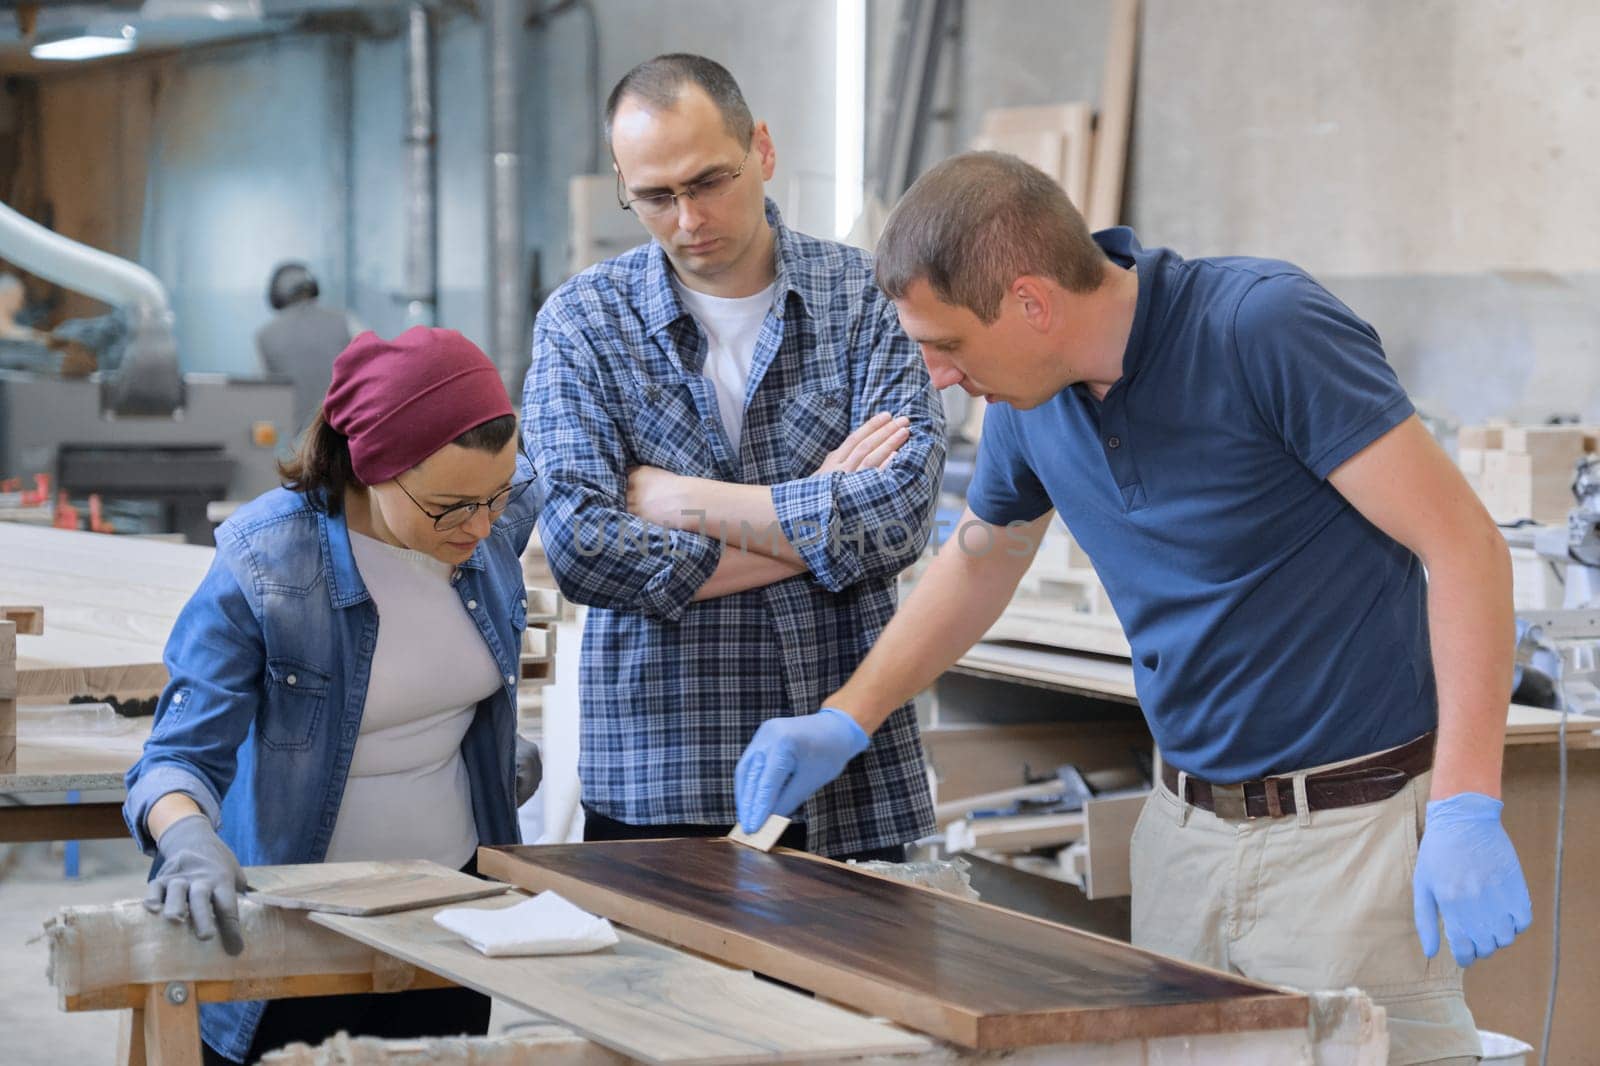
{"points": [[979, 221], [660, 81]]}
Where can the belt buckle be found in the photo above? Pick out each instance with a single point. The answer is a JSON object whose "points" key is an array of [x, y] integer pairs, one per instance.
{"points": [[1228, 803]]}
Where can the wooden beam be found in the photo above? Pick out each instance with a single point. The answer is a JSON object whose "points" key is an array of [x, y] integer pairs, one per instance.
{"points": [[130, 1036], [172, 1025], [133, 996], [95, 952]]}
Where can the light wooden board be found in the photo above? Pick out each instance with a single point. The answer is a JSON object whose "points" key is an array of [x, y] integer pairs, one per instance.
{"points": [[110, 601], [1536, 725], [973, 760], [364, 888], [1056, 138], [1038, 620], [640, 998], [971, 973], [1104, 676], [1115, 118], [1022, 832], [1107, 832]]}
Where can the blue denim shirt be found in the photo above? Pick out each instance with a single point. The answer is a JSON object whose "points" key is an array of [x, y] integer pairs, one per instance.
{"points": [[268, 665]]}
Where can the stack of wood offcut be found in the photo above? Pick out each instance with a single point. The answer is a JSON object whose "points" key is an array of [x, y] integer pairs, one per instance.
{"points": [[1524, 472]]}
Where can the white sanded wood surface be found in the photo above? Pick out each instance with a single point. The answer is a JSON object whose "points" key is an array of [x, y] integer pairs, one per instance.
{"points": [[109, 602], [641, 998]]}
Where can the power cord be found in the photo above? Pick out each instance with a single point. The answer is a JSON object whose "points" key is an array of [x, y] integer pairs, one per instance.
{"points": [[1561, 844]]}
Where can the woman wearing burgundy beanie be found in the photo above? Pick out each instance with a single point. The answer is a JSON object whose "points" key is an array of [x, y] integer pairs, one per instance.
{"points": [[343, 682]]}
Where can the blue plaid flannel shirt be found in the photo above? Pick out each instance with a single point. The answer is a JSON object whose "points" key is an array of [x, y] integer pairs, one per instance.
{"points": [[672, 690]]}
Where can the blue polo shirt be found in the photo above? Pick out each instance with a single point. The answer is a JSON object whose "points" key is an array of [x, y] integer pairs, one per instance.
{"points": [[1273, 627]]}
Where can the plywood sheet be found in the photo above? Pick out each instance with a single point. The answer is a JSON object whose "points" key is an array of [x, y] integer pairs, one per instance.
{"points": [[644, 999], [362, 888], [968, 972]]}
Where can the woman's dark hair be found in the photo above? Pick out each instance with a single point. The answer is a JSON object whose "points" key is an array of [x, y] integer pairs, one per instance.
{"points": [[321, 468]]}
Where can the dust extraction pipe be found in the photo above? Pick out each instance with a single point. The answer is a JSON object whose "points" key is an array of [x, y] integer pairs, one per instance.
{"points": [[148, 382], [508, 288], [422, 256]]}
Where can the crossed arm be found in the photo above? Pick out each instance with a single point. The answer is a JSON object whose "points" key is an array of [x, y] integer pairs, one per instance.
{"points": [[744, 517]]}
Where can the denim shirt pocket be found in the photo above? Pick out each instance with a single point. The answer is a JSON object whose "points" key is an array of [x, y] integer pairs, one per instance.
{"points": [[297, 693]]}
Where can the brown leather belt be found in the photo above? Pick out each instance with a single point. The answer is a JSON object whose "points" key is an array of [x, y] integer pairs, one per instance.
{"points": [[1368, 780]]}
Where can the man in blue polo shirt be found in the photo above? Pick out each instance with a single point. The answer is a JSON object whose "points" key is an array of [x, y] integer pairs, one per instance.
{"points": [[1319, 609]]}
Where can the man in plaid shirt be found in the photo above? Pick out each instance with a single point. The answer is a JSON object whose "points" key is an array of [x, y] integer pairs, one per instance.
{"points": [[739, 450]]}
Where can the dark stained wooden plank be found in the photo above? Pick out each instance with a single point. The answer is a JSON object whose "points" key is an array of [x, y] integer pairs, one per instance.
{"points": [[968, 972]]}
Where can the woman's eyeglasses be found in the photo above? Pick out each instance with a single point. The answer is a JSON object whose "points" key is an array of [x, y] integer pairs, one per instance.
{"points": [[460, 514]]}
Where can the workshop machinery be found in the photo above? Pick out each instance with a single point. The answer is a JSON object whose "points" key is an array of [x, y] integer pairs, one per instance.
{"points": [[144, 429]]}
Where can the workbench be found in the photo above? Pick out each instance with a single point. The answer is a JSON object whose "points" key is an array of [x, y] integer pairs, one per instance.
{"points": [[641, 1001], [62, 749]]}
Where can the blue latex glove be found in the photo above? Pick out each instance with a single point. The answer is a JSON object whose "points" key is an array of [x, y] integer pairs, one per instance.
{"points": [[1468, 874], [789, 759]]}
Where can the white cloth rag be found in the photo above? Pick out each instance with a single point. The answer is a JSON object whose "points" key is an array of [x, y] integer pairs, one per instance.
{"points": [[547, 924]]}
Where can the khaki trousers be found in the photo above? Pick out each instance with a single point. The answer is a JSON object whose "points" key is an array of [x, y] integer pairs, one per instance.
{"points": [[1317, 900]]}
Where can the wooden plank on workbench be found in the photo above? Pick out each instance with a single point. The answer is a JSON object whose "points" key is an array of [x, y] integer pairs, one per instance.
{"points": [[111, 603], [968, 972], [364, 888], [644, 999]]}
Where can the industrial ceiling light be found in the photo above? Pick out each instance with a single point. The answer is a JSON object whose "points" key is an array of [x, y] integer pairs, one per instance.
{"points": [[83, 44]]}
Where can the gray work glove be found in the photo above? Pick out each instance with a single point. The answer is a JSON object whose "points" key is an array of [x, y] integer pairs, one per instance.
{"points": [[200, 880], [530, 769]]}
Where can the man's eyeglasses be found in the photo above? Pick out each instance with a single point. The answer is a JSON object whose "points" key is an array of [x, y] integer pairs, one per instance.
{"points": [[661, 204], [460, 514]]}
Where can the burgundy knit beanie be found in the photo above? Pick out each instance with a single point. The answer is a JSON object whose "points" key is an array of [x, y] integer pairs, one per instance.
{"points": [[399, 401]]}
